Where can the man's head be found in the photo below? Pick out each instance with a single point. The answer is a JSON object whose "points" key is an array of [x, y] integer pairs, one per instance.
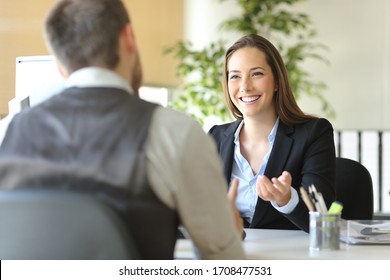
{"points": [[83, 33]]}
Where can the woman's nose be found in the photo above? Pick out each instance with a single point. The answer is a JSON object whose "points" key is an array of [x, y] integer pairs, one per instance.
{"points": [[246, 84]]}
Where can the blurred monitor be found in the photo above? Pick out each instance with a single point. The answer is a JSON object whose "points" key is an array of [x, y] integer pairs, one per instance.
{"points": [[37, 78]]}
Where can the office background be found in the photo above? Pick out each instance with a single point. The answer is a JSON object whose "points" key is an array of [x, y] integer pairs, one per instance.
{"points": [[356, 32], [358, 36], [21, 34]]}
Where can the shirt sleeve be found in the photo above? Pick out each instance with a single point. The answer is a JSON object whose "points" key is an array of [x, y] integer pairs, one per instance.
{"points": [[290, 206], [185, 172]]}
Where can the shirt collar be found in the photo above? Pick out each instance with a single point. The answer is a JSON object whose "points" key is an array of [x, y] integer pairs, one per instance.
{"points": [[97, 77], [237, 133], [271, 136]]}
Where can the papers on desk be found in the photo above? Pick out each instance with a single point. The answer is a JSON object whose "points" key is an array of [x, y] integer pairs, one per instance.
{"points": [[365, 232]]}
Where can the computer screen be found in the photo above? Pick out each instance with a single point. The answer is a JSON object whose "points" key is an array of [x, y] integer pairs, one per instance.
{"points": [[37, 78]]}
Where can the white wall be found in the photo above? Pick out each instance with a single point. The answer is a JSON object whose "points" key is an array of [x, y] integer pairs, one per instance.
{"points": [[358, 36], [202, 19], [358, 79]]}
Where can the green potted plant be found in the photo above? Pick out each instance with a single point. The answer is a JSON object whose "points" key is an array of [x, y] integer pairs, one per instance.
{"points": [[201, 92]]}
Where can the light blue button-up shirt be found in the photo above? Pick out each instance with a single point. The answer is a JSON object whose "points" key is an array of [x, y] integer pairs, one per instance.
{"points": [[247, 194]]}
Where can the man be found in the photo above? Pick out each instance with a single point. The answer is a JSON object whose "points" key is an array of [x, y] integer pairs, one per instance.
{"points": [[153, 165]]}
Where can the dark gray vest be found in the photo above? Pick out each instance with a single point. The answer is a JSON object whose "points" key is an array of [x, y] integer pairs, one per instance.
{"points": [[92, 141]]}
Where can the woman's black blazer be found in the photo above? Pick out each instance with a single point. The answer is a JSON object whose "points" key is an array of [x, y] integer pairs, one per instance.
{"points": [[305, 150]]}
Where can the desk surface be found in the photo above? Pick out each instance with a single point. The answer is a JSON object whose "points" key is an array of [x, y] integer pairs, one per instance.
{"points": [[291, 244]]}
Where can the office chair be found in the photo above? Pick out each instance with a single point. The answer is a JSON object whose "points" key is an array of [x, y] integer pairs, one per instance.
{"points": [[354, 189], [54, 225]]}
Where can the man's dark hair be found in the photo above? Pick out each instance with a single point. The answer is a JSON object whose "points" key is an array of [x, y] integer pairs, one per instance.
{"points": [[84, 33]]}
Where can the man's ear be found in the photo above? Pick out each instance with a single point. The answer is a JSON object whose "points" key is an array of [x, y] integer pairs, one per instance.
{"points": [[129, 38], [61, 69]]}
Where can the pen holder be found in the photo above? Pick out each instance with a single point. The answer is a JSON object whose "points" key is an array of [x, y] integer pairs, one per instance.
{"points": [[324, 231]]}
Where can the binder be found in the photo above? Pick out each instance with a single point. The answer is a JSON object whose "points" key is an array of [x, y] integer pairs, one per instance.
{"points": [[365, 232]]}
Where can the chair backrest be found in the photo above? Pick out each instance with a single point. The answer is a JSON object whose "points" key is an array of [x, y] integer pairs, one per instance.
{"points": [[354, 189], [57, 225]]}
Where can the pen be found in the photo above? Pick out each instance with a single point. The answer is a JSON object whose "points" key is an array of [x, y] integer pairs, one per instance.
{"points": [[320, 200], [313, 199], [306, 199]]}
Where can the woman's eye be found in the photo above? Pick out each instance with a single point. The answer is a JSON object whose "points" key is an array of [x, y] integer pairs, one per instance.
{"points": [[233, 77], [257, 74]]}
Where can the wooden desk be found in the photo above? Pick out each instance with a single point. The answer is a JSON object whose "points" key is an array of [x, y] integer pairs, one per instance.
{"points": [[291, 245]]}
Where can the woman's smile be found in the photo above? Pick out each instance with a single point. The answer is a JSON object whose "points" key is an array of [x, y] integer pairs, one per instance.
{"points": [[250, 99]]}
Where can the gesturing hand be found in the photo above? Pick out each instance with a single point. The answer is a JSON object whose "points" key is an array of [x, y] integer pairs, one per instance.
{"points": [[232, 195], [276, 190]]}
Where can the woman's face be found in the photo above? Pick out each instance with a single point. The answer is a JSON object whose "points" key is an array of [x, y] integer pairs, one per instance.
{"points": [[251, 83]]}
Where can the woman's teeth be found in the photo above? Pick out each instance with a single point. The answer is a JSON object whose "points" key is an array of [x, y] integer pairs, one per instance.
{"points": [[249, 99]]}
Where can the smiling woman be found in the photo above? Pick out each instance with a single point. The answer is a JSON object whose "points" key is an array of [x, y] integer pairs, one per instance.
{"points": [[273, 148]]}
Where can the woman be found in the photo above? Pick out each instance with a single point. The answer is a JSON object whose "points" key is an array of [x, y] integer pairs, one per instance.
{"points": [[273, 148]]}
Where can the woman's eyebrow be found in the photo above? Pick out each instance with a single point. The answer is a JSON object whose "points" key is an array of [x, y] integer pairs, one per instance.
{"points": [[257, 67], [251, 69]]}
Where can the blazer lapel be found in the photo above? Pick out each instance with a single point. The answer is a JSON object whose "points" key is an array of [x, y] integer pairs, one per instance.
{"points": [[275, 166], [280, 151], [226, 149]]}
